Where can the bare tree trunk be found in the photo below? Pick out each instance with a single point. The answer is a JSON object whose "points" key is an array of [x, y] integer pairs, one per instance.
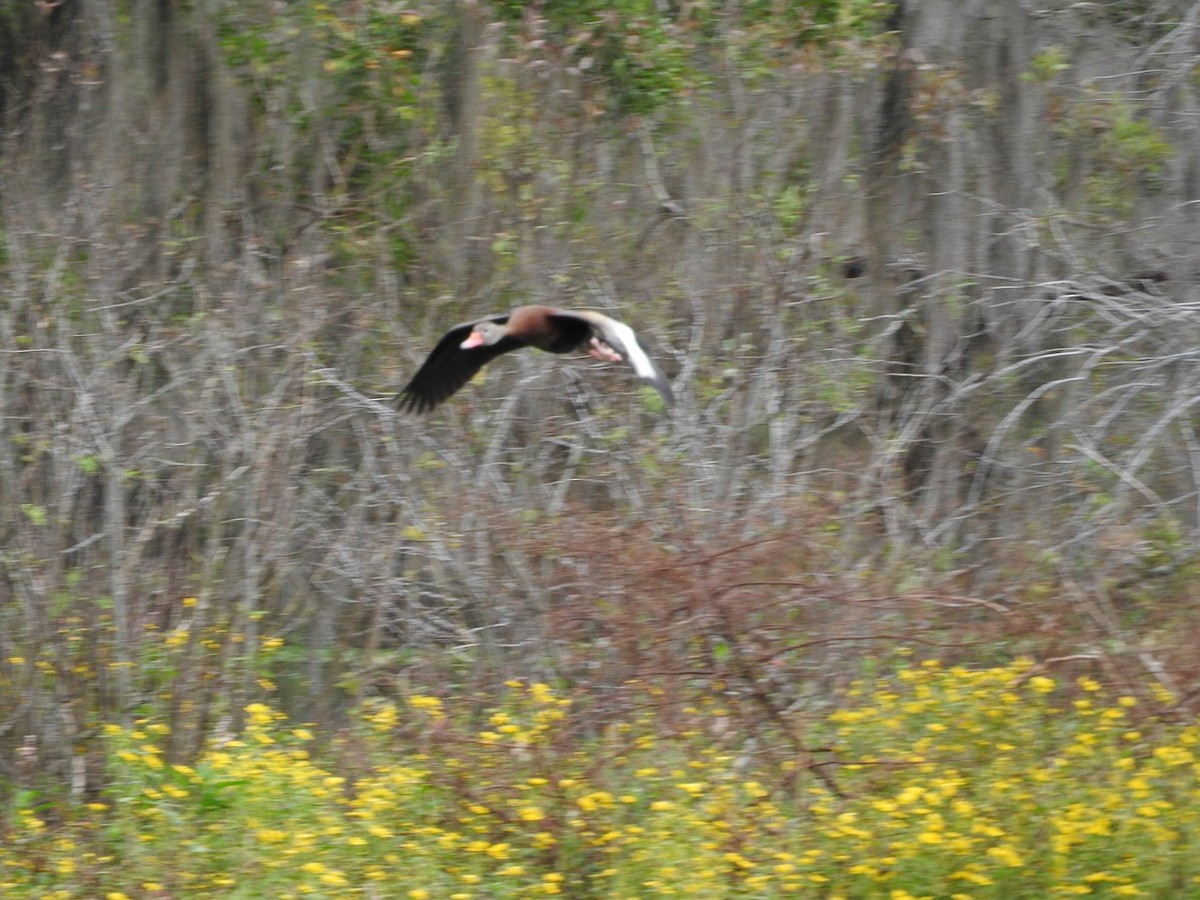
{"points": [[461, 72]]}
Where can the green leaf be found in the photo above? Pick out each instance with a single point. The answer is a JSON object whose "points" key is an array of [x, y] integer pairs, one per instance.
{"points": [[34, 513]]}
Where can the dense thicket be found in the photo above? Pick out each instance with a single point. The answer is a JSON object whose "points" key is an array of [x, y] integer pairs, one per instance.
{"points": [[924, 276]]}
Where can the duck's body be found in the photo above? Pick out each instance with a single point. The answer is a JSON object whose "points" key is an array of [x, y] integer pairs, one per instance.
{"points": [[467, 348]]}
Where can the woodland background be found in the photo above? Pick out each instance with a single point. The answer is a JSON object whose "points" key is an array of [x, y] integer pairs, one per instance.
{"points": [[925, 277]]}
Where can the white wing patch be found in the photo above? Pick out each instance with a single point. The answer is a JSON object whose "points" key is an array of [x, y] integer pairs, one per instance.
{"points": [[626, 342], [622, 339]]}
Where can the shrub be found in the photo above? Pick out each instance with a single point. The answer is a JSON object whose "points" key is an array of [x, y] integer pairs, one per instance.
{"points": [[938, 781]]}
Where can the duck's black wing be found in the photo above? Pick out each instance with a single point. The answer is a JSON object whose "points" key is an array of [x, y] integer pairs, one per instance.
{"points": [[448, 367]]}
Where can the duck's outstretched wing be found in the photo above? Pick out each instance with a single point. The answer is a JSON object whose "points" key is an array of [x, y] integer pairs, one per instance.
{"points": [[621, 338], [448, 367]]}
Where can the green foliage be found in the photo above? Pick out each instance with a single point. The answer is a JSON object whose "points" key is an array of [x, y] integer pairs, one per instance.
{"points": [[1119, 155], [1048, 64], [816, 21], [646, 55], [640, 55], [642, 59], [35, 513], [345, 83], [375, 56], [790, 206], [939, 781], [1130, 158]]}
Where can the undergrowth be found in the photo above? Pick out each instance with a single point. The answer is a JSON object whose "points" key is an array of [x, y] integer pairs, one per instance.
{"points": [[934, 781]]}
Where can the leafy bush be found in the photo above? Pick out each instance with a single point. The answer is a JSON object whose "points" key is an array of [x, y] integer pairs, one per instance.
{"points": [[936, 782]]}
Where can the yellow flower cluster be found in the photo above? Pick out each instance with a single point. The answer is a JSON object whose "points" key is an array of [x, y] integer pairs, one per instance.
{"points": [[936, 782], [1007, 792]]}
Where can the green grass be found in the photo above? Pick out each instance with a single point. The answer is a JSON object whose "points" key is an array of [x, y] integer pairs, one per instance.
{"points": [[937, 782]]}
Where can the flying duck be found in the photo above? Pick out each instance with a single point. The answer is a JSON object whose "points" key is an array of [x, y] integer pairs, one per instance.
{"points": [[467, 348]]}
